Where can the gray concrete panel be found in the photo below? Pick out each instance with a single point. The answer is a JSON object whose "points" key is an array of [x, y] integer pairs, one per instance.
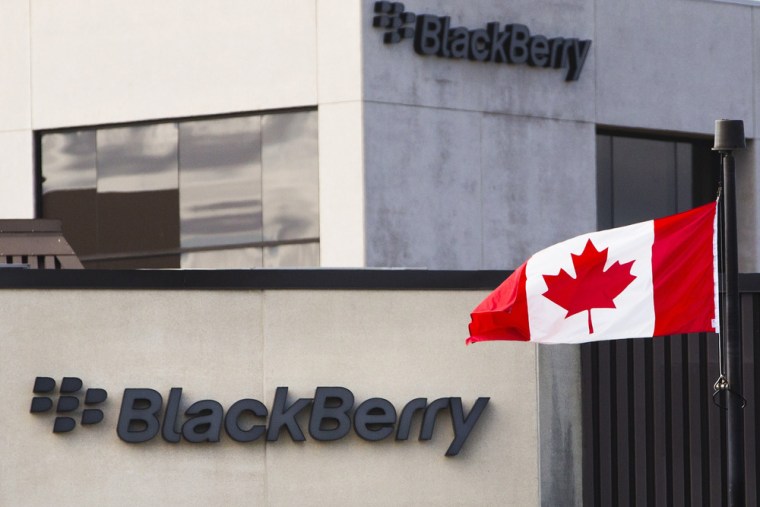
{"points": [[560, 419], [229, 345], [209, 344], [400, 346], [395, 73], [676, 65], [756, 64], [539, 186], [748, 207], [422, 187]]}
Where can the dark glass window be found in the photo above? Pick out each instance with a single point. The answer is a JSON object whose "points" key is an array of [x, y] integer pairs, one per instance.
{"points": [[137, 197], [233, 192], [70, 187], [640, 178]]}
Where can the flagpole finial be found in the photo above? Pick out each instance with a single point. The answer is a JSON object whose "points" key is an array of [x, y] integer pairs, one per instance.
{"points": [[729, 135]]}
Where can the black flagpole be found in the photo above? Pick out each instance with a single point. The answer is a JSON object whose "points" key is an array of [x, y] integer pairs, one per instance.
{"points": [[729, 136]]}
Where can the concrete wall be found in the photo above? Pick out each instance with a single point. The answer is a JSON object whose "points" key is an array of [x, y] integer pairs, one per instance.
{"points": [[17, 189], [471, 165], [480, 199], [85, 63], [94, 62], [228, 345], [341, 147], [498, 161], [396, 74], [424, 162], [676, 65], [496, 132], [481, 152]]}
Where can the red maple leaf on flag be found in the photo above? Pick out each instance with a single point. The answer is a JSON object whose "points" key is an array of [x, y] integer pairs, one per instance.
{"points": [[592, 287]]}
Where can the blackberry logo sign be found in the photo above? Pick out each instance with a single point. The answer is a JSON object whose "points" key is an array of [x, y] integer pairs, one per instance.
{"points": [[512, 44], [331, 415], [392, 16], [68, 402]]}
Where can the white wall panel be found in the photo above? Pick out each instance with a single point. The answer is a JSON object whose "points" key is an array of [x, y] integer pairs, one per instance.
{"points": [[15, 99], [98, 62], [339, 30], [341, 185], [17, 175]]}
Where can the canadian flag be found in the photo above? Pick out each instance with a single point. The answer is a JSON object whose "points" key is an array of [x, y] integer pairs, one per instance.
{"points": [[648, 279]]}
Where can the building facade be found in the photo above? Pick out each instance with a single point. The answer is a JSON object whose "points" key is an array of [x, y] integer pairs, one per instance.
{"points": [[127, 97], [430, 134], [106, 350]]}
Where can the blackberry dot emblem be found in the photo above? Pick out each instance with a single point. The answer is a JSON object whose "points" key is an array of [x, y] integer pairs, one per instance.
{"points": [[391, 16], [68, 402]]}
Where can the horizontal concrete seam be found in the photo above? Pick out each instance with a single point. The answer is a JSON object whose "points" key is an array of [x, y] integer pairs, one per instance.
{"points": [[477, 111]]}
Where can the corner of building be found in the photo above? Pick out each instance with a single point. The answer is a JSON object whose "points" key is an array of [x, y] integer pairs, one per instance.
{"points": [[341, 134]]}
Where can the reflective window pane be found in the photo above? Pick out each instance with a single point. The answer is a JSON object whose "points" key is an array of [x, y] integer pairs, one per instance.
{"points": [[157, 262], [604, 181], [290, 178], [236, 258], [303, 255], [197, 194], [639, 179], [644, 179], [684, 177], [138, 196], [137, 159], [220, 181], [706, 172], [68, 187], [68, 161], [138, 222]]}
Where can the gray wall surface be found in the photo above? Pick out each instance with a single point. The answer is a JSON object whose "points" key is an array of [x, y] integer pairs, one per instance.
{"points": [[424, 162], [229, 345], [472, 165]]}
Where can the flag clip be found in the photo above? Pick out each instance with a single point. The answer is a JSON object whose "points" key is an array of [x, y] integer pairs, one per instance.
{"points": [[722, 386]]}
